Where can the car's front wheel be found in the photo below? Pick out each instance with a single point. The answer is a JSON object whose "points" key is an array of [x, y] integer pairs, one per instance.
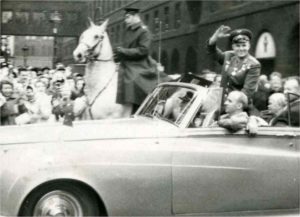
{"points": [[63, 199]]}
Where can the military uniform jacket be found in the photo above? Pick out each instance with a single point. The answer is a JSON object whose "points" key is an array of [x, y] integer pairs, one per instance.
{"points": [[236, 74], [138, 71]]}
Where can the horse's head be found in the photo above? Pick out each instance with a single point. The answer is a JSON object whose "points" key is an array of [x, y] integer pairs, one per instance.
{"points": [[93, 44]]}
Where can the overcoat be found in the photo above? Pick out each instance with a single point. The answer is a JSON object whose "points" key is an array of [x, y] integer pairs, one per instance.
{"points": [[237, 75], [283, 117], [138, 71]]}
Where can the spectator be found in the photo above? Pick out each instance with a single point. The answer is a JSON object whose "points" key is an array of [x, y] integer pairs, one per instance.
{"points": [[58, 80], [4, 71], [41, 93], [277, 102], [71, 83], [240, 70], [63, 107], [37, 109], [292, 93], [276, 82], [45, 71], [261, 94], [12, 106], [24, 77], [235, 118], [46, 80], [79, 87]]}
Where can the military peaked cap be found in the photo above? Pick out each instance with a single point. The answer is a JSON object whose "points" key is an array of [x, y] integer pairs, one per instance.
{"points": [[240, 36], [131, 10]]}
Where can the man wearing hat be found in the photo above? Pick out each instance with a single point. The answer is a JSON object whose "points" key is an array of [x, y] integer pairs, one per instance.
{"points": [[138, 71], [4, 70], [240, 70]]}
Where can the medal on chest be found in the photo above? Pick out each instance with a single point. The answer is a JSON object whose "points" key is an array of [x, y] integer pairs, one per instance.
{"points": [[234, 71]]}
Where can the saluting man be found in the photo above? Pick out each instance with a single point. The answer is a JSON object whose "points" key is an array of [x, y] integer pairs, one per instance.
{"points": [[240, 70], [138, 71]]}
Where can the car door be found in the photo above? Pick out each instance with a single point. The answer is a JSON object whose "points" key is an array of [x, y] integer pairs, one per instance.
{"points": [[214, 171]]}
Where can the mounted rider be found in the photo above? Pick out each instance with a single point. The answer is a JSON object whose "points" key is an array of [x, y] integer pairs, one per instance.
{"points": [[138, 71]]}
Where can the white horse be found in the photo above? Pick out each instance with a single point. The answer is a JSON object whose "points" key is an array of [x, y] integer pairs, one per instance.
{"points": [[101, 75]]}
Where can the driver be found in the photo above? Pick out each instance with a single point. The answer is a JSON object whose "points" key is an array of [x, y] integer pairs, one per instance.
{"points": [[176, 104]]}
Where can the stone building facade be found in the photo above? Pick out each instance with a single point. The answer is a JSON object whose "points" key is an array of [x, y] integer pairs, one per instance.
{"points": [[181, 29]]}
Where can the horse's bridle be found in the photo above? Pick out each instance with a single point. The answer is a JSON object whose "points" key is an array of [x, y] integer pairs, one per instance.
{"points": [[91, 57]]}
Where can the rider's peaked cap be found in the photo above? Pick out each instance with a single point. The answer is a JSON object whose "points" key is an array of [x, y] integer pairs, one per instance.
{"points": [[131, 10], [240, 35]]}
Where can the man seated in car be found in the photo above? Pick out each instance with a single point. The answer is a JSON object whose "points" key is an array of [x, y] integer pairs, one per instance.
{"points": [[176, 104], [235, 118]]}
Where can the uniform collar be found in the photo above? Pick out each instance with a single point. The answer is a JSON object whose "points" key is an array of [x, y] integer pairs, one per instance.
{"points": [[135, 26]]}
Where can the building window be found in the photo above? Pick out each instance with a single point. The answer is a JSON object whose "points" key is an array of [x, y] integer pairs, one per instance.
{"points": [[44, 51], [7, 16], [191, 60], [31, 50], [156, 22], [117, 33], [105, 7], [112, 34], [98, 13], [175, 59], [147, 19], [177, 18], [164, 61], [167, 19]]}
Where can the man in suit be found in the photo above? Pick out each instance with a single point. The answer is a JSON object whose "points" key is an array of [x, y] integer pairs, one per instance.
{"points": [[138, 73], [240, 70], [235, 118]]}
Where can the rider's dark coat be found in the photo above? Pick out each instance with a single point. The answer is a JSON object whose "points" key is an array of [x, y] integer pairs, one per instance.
{"points": [[138, 71]]}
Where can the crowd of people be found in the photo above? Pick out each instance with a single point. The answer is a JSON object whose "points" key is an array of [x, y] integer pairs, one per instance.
{"points": [[34, 95], [38, 95]]}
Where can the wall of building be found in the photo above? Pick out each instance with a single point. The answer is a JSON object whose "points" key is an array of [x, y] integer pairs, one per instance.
{"points": [[39, 53]]}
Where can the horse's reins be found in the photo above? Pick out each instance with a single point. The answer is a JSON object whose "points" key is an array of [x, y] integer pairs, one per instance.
{"points": [[98, 94], [90, 49], [92, 58]]}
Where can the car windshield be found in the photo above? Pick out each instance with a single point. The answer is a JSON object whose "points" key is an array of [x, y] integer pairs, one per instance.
{"points": [[170, 103], [173, 103]]}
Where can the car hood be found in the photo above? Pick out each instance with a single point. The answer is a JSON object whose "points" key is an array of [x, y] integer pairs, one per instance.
{"points": [[137, 127]]}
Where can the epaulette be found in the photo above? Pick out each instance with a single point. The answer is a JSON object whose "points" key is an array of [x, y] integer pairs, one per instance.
{"points": [[253, 60]]}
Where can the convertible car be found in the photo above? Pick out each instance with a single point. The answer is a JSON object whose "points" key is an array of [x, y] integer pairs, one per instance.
{"points": [[170, 159]]}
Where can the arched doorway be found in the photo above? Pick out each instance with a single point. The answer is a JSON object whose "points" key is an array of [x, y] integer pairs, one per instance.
{"points": [[293, 48], [265, 52], [191, 61], [175, 62]]}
